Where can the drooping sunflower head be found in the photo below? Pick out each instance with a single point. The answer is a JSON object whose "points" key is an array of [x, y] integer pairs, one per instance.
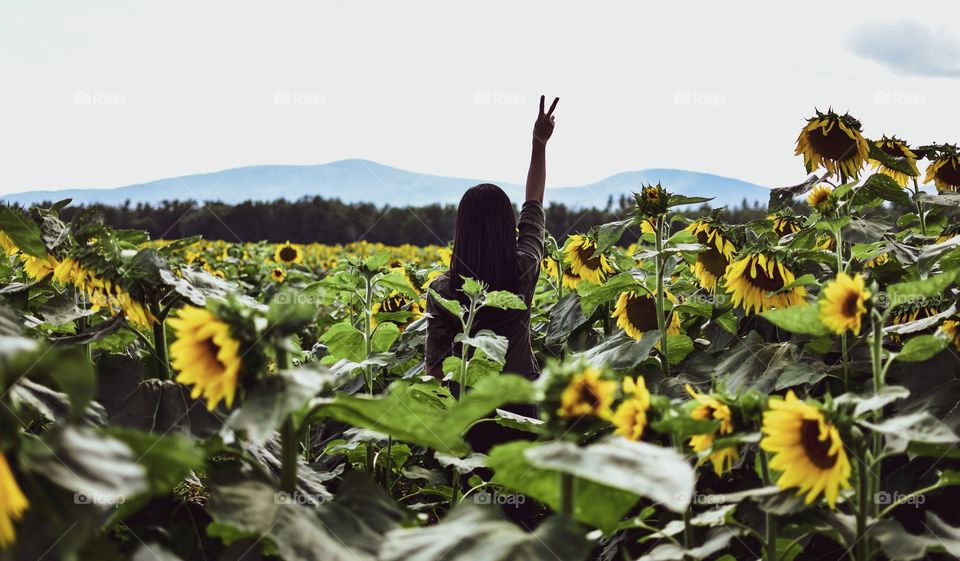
{"points": [[580, 253], [13, 503], [636, 314], [278, 274], [821, 198], [630, 418], [843, 303], [549, 267], [807, 449], [944, 172], [834, 142], [398, 308], [896, 148], [587, 394], [785, 223], [915, 311], [206, 355], [709, 408], [758, 282], [950, 232], [652, 200], [288, 253], [712, 263], [877, 261]]}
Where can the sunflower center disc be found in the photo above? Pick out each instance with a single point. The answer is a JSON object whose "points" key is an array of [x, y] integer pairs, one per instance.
{"points": [[949, 174], [851, 304], [712, 260], [835, 145], [288, 254], [765, 282], [588, 258], [818, 451], [642, 313]]}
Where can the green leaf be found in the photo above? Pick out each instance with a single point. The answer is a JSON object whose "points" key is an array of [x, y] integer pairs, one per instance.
{"points": [[921, 347], [492, 345], [798, 319], [504, 300], [452, 306], [593, 503], [23, 231], [622, 352], [477, 368], [607, 235], [916, 291], [592, 295], [395, 280], [864, 403], [660, 474], [384, 335], [678, 347], [914, 427], [376, 262], [884, 187], [678, 200], [471, 287], [717, 540], [476, 533], [343, 340]]}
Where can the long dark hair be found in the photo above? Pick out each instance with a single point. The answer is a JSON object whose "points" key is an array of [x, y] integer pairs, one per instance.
{"points": [[485, 244]]}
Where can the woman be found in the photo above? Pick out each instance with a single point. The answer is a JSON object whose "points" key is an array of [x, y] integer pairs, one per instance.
{"points": [[490, 246]]}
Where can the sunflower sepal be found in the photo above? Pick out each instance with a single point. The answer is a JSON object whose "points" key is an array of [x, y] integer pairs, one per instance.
{"points": [[652, 201]]}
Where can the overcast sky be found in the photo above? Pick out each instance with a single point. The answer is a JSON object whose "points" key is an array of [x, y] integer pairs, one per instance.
{"points": [[107, 93]]}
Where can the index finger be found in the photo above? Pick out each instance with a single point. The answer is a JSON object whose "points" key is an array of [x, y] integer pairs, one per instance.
{"points": [[552, 105], [541, 105]]}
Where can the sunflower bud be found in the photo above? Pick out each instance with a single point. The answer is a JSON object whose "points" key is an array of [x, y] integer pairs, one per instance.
{"points": [[652, 200]]}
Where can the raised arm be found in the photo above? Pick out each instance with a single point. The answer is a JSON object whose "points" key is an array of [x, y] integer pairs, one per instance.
{"points": [[537, 175]]}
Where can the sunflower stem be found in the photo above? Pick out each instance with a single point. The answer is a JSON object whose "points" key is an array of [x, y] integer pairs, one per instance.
{"points": [[844, 359], [659, 299], [923, 219], [863, 492], [160, 347], [465, 349], [770, 521], [289, 443], [566, 494], [367, 332]]}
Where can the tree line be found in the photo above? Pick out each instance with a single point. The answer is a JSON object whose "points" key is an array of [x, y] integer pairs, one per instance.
{"points": [[331, 221]]}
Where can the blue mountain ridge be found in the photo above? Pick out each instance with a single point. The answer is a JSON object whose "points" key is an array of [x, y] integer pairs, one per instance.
{"points": [[366, 181]]}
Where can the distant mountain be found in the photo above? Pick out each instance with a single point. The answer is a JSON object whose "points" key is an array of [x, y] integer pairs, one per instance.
{"points": [[367, 181]]}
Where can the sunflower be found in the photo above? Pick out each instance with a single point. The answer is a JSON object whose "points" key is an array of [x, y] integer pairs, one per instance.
{"points": [[944, 172], [807, 449], [630, 419], [952, 329], [288, 253], [712, 409], [843, 303], [206, 355], [647, 226], [396, 302], [549, 267], [784, 224], [587, 394], [896, 148], [908, 313], [878, 260], [820, 198], [637, 313], [278, 274], [571, 279], [12, 503], [753, 280], [580, 255], [712, 263], [652, 200], [835, 142]]}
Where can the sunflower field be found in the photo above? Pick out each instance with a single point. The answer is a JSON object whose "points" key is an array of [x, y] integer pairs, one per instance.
{"points": [[782, 389]]}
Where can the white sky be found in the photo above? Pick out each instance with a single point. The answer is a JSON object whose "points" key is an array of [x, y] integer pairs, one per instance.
{"points": [[107, 93]]}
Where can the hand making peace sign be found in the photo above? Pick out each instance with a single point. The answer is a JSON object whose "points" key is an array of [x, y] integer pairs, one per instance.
{"points": [[543, 128]]}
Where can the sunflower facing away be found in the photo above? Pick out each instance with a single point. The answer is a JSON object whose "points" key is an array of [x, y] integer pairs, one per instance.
{"points": [[712, 409], [898, 149], [396, 302], [808, 451], [834, 142], [636, 314], [843, 303], [587, 394], [630, 419], [712, 263], [288, 253], [12, 503], [751, 282], [820, 198], [580, 254], [944, 172], [206, 355]]}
